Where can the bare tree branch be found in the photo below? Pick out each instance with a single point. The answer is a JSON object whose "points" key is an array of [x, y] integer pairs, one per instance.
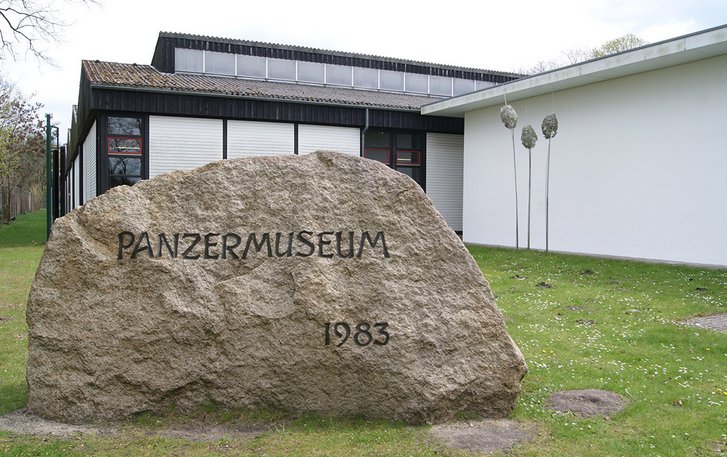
{"points": [[26, 25]]}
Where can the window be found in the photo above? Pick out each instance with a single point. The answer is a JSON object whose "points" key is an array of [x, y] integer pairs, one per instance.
{"points": [[258, 67], [251, 66], [484, 84], [366, 77], [339, 74], [392, 80], [128, 126], [377, 146], [377, 154], [409, 141], [416, 83], [440, 85], [409, 148], [188, 60], [281, 69], [463, 86], [407, 157], [311, 72], [124, 150], [125, 146], [220, 63], [403, 151]]}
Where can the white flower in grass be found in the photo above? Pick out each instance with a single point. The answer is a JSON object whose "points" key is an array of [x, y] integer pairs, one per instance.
{"points": [[508, 116]]}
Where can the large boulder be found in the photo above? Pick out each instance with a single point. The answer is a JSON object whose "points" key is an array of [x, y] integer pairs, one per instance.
{"points": [[323, 283]]}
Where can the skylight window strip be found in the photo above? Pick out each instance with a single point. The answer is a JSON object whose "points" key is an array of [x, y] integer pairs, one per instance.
{"points": [[269, 68]]}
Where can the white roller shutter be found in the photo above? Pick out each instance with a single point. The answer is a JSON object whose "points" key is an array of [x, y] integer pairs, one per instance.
{"points": [[249, 138], [76, 184], [182, 143], [312, 138], [89, 165], [445, 170]]}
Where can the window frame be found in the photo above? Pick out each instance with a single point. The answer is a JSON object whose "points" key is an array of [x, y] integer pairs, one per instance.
{"points": [[409, 164], [388, 155], [104, 152], [124, 137]]}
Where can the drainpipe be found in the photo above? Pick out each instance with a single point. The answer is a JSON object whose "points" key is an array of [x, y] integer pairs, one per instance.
{"points": [[363, 132]]}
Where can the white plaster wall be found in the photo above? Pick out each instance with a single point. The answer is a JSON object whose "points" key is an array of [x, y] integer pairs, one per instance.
{"points": [[638, 168]]}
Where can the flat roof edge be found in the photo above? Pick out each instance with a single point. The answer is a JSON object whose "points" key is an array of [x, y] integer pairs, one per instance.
{"points": [[688, 48]]}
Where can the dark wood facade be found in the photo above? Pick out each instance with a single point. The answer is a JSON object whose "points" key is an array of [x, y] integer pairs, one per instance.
{"points": [[155, 102]]}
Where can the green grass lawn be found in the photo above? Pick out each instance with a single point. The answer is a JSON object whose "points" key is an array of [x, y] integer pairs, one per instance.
{"points": [[580, 322], [21, 245]]}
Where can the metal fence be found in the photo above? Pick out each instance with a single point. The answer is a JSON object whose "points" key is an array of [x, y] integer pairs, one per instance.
{"points": [[22, 201]]}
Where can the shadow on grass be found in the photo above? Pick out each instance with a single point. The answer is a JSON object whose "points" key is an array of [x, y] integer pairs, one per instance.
{"points": [[26, 230]]}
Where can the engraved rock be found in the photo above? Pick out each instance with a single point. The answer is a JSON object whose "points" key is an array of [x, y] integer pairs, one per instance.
{"points": [[323, 283]]}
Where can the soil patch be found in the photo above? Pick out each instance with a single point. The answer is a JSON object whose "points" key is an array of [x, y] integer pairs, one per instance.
{"points": [[486, 436], [211, 432], [587, 403], [718, 322], [24, 423]]}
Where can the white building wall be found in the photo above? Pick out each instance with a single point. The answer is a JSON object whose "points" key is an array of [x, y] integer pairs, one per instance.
{"points": [[312, 138], [249, 138], [445, 167], [638, 168], [182, 143], [89, 165], [76, 183]]}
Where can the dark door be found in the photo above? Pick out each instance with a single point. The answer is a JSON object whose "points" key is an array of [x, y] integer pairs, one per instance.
{"points": [[401, 150]]}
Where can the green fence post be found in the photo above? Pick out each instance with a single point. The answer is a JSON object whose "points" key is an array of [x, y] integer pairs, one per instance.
{"points": [[48, 177]]}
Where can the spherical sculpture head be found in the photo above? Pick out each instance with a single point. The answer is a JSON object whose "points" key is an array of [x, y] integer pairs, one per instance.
{"points": [[550, 126], [508, 116], [529, 137]]}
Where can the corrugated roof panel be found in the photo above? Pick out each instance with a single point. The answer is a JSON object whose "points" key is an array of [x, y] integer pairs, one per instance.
{"points": [[147, 77]]}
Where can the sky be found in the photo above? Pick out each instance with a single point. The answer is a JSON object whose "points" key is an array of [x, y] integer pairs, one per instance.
{"points": [[494, 35]]}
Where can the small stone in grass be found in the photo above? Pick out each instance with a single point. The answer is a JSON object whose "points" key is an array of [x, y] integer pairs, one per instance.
{"points": [[544, 285], [485, 436], [587, 403]]}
